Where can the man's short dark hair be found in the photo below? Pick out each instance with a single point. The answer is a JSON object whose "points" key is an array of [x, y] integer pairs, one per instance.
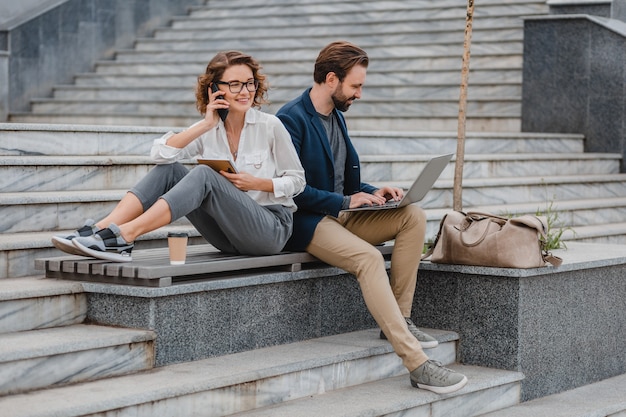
{"points": [[338, 57]]}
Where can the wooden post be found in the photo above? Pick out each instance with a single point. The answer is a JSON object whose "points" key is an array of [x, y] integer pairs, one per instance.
{"points": [[457, 199]]}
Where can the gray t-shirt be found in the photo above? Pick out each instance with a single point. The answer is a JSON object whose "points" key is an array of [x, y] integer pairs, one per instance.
{"points": [[337, 146]]}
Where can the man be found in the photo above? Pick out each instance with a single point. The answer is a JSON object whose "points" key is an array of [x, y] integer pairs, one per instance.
{"points": [[346, 239]]}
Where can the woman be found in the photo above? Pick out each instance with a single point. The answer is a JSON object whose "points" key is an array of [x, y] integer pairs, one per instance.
{"points": [[249, 212]]}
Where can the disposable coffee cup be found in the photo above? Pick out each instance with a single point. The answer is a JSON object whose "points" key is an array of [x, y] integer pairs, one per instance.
{"points": [[177, 243]]}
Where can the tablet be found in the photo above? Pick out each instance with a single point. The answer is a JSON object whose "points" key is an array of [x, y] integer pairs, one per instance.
{"points": [[219, 165]]}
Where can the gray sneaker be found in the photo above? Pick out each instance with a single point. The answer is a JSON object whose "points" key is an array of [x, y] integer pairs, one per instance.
{"points": [[105, 244], [432, 376], [65, 242], [426, 340]]}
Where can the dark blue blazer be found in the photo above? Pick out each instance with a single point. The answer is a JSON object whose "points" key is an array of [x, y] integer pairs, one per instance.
{"points": [[311, 142]]}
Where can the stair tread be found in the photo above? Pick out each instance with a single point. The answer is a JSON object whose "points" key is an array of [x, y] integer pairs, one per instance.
{"points": [[191, 377], [35, 287], [385, 396], [74, 338], [603, 398]]}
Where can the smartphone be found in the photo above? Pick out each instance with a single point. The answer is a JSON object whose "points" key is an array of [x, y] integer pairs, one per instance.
{"points": [[222, 112]]}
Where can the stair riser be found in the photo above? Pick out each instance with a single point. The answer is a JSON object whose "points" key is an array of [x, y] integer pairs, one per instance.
{"points": [[508, 48], [55, 178], [450, 108], [120, 120], [440, 123], [364, 40], [362, 36], [277, 67], [374, 10], [397, 19], [474, 124], [468, 405], [283, 94], [42, 312], [87, 143], [57, 370], [120, 176], [68, 216], [270, 390], [375, 78], [409, 170], [473, 145], [523, 193]]}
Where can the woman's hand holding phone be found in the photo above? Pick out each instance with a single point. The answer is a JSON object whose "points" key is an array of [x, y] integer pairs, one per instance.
{"points": [[222, 111]]}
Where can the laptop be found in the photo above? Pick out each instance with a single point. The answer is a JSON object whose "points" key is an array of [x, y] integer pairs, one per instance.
{"points": [[419, 188]]}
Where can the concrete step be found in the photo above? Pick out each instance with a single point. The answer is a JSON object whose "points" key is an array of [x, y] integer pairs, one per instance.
{"points": [[429, 142], [83, 173], [311, 52], [70, 94], [31, 303], [164, 38], [365, 39], [71, 173], [377, 77], [433, 18], [28, 139], [287, 9], [488, 389], [57, 211], [374, 123], [89, 140], [233, 383], [46, 358], [278, 66], [606, 398], [515, 190], [406, 167]]}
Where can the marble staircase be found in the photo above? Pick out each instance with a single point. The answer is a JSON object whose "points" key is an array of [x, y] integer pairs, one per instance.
{"points": [[46, 343], [414, 46], [63, 367]]}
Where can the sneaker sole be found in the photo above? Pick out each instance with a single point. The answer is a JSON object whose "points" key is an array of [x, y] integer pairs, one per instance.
{"points": [[107, 256], [441, 390], [425, 345], [66, 245]]}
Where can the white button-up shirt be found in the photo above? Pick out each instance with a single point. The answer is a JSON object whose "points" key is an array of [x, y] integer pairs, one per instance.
{"points": [[265, 151]]}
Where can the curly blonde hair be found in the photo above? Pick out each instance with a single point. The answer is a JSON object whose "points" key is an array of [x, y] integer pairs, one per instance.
{"points": [[215, 70]]}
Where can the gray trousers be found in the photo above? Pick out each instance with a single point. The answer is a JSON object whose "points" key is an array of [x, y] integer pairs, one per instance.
{"points": [[224, 215]]}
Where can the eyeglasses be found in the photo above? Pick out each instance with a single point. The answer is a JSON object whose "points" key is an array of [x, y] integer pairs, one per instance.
{"points": [[236, 86]]}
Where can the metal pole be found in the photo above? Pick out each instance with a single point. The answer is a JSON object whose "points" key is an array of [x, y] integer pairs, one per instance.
{"points": [[460, 146]]}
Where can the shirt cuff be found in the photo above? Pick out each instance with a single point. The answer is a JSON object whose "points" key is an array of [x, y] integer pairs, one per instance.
{"points": [[346, 202]]}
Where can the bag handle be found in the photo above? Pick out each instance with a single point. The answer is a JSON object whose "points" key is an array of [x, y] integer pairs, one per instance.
{"points": [[482, 237]]}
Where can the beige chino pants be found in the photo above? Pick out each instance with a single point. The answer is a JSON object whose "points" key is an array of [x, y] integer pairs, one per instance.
{"points": [[347, 243]]}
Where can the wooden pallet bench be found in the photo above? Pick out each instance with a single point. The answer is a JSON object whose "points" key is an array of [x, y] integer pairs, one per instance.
{"points": [[151, 267]]}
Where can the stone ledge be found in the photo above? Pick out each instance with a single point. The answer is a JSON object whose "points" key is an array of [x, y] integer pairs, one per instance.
{"points": [[562, 327], [576, 256]]}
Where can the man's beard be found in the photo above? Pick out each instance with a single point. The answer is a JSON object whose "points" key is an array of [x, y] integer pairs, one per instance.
{"points": [[340, 101]]}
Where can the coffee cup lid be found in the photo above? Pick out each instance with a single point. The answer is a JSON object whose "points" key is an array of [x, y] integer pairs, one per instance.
{"points": [[176, 234]]}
